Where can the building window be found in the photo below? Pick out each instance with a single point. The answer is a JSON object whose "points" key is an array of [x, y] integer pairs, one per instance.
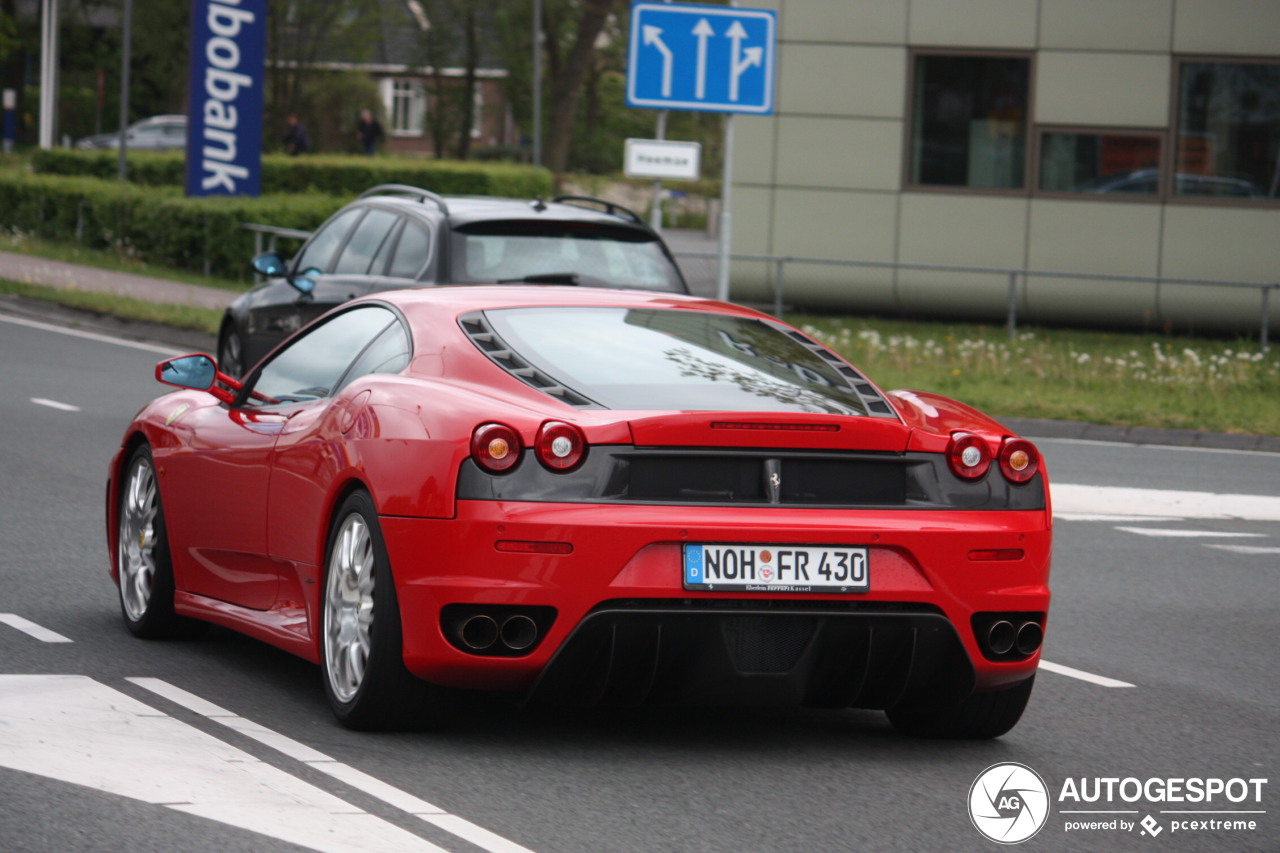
{"points": [[1099, 162], [1228, 130], [969, 121], [406, 100]]}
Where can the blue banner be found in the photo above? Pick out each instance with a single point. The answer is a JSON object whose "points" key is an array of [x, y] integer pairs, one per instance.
{"points": [[224, 121]]}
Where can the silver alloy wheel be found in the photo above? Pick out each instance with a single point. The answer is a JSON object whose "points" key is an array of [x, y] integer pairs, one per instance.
{"points": [[137, 547], [348, 608]]}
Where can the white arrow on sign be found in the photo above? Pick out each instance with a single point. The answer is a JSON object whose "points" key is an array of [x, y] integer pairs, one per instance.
{"points": [[742, 59], [703, 31], [653, 36]]}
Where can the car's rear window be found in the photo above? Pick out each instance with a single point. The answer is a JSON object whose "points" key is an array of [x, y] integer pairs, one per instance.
{"points": [[597, 255], [630, 358]]}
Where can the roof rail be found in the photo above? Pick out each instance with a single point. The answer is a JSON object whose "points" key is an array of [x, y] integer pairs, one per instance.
{"points": [[404, 189], [609, 207]]}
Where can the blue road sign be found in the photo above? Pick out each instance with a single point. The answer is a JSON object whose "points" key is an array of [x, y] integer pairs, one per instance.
{"points": [[708, 58]]}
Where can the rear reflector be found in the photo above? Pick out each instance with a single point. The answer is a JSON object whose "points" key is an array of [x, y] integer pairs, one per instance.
{"points": [[518, 546], [996, 555]]}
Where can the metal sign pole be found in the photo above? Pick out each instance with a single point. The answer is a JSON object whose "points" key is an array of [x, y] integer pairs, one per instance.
{"points": [[726, 215], [126, 38]]}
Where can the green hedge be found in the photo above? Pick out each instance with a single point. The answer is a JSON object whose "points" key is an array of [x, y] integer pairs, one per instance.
{"points": [[333, 174], [157, 224]]}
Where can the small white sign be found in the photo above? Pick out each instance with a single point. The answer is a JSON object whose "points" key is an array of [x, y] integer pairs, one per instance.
{"points": [[656, 158]]}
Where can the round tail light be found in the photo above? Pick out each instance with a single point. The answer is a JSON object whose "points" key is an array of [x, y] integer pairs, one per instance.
{"points": [[1019, 460], [495, 447], [560, 446], [968, 456]]}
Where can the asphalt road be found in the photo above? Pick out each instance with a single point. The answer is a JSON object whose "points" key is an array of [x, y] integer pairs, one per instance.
{"points": [[1166, 619]]}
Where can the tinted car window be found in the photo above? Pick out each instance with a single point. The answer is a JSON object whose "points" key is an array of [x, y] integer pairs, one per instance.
{"points": [[389, 353], [682, 360], [598, 254], [311, 365], [319, 251], [365, 241], [412, 251]]}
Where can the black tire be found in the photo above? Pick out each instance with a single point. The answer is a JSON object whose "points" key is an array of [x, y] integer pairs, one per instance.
{"points": [[231, 350], [142, 556], [361, 644], [980, 716]]}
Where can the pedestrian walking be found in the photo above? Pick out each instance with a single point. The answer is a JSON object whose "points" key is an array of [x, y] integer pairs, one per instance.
{"points": [[369, 131], [295, 137]]}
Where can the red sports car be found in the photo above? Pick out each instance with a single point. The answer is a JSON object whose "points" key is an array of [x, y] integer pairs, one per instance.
{"points": [[588, 496]]}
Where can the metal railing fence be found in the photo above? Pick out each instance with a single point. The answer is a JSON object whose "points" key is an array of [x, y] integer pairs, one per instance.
{"points": [[780, 262]]}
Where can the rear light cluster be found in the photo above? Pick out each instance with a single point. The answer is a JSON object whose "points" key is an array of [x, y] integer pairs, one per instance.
{"points": [[969, 458], [559, 446]]}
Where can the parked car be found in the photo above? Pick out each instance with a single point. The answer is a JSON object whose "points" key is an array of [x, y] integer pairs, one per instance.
{"points": [[396, 236], [158, 133], [587, 495]]}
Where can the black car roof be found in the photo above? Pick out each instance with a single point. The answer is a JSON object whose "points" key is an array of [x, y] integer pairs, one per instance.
{"points": [[465, 210]]}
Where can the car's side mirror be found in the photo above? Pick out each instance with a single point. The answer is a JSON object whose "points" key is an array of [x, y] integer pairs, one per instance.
{"points": [[269, 264], [305, 283], [198, 372], [190, 371]]}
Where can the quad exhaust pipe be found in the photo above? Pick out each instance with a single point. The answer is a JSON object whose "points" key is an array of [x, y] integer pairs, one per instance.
{"points": [[1010, 636], [495, 630]]}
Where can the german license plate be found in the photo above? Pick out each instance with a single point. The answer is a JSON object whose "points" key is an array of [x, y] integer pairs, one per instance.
{"points": [[777, 568]]}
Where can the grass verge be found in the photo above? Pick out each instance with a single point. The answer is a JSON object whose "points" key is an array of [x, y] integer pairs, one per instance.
{"points": [[24, 244], [122, 307], [1065, 374]]}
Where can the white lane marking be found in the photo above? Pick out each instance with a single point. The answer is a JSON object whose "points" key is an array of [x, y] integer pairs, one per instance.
{"points": [[1120, 500], [1179, 448], [90, 336], [1071, 672], [1189, 534], [54, 404], [357, 779], [31, 629], [76, 730], [1097, 516], [1244, 549]]}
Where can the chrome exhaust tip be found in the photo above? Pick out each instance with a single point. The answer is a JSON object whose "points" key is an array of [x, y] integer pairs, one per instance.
{"points": [[1030, 636], [479, 632], [1001, 636], [518, 632]]}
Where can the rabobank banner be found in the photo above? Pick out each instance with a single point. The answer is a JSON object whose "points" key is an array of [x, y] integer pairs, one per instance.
{"points": [[224, 123]]}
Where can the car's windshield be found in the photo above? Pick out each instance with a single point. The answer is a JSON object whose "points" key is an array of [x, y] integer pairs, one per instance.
{"points": [[592, 254], [675, 360]]}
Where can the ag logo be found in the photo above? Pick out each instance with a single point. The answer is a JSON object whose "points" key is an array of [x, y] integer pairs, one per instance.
{"points": [[1008, 803]]}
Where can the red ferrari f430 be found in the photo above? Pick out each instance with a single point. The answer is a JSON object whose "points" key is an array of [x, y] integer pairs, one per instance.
{"points": [[588, 496]]}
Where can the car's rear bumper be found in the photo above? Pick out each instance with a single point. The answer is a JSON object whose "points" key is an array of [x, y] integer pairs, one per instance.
{"points": [[625, 629]]}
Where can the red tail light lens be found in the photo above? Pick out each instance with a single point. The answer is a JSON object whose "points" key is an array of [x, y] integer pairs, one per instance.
{"points": [[968, 456], [495, 447], [560, 446], [1019, 460]]}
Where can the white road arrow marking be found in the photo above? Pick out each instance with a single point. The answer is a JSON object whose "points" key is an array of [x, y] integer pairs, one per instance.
{"points": [[1131, 503], [653, 36], [71, 728], [703, 31], [741, 59]]}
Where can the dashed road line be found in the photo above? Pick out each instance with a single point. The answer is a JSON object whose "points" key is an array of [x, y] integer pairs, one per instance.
{"points": [[1072, 672], [31, 629], [54, 404], [357, 779], [1189, 534], [1252, 550]]}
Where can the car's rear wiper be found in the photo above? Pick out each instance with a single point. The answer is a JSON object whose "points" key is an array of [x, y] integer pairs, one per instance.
{"points": [[543, 278]]}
